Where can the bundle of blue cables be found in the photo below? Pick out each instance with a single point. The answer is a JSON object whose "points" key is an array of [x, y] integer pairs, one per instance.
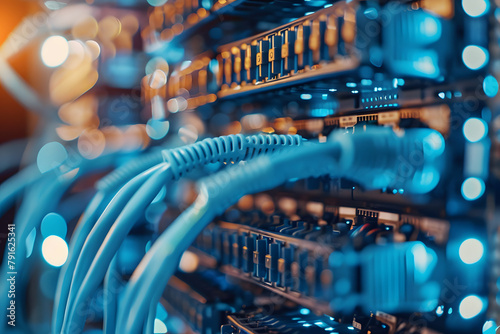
{"points": [[103, 228]]}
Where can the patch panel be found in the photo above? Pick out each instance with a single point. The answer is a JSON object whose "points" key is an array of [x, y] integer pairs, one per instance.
{"points": [[305, 260], [329, 43], [294, 257], [322, 41], [240, 65]]}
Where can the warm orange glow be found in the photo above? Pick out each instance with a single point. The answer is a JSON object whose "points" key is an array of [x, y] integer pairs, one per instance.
{"points": [[265, 203], [115, 139], [86, 29], [136, 137], [192, 18], [212, 98], [202, 12], [178, 28], [167, 34], [68, 84], [130, 24], [82, 112], [233, 128], [68, 132], [246, 203], [443, 8], [123, 41], [109, 28]]}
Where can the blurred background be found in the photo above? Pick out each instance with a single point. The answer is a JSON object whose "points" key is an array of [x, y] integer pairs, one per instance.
{"points": [[89, 86]]}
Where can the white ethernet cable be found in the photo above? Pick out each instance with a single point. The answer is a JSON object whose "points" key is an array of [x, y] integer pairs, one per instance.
{"points": [[376, 158], [89, 271]]}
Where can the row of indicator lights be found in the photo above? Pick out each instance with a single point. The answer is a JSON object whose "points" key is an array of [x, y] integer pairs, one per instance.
{"points": [[474, 130], [473, 56], [471, 251]]}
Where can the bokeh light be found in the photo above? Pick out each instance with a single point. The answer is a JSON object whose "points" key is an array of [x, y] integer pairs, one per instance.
{"points": [[189, 262], [157, 129], [475, 129], [50, 156], [489, 327], [473, 188], [161, 313], [471, 251], [160, 327], [470, 307], [55, 51], [475, 57], [475, 8], [490, 86], [55, 250]]}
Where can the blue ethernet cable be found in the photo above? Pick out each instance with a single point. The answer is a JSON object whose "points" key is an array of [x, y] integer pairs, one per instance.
{"points": [[183, 231], [181, 161], [85, 248], [107, 188], [92, 212], [142, 197], [80, 251], [373, 157], [111, 286]]}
